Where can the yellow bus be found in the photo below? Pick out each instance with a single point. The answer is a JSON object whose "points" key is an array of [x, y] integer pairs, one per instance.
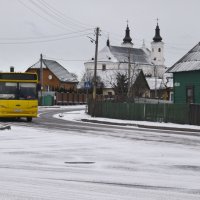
{"points": [[18, 95]]}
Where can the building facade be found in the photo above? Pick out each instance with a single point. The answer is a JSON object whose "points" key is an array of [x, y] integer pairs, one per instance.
{"points": [[128, 59], [186, 77], [54, 76]]}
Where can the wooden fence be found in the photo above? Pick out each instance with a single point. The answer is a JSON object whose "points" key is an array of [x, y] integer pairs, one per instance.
{"points": [[174, 113]]}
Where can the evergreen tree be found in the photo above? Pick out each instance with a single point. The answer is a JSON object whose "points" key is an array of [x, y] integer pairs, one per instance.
{"points": [[121, 85]]}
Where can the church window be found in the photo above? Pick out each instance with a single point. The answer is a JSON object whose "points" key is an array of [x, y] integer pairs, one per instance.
{"points": [[159, 50], [103, 67], [154, 58]]}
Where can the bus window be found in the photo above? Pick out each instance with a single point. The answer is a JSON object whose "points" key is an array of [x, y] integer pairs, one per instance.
{"points": [[8, 90], [27, 91]]}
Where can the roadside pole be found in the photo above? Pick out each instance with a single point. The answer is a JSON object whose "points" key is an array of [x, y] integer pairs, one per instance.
{"points": [[41, 79], [95, 71], [129, 73]]}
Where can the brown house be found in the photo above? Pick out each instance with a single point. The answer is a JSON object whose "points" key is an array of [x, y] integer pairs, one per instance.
{"points": [[55, 76]]}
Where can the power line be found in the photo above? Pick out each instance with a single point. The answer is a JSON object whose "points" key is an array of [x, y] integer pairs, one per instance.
{"points": [[47, 36], [63, 16], [49, 14], [44, 18], [67, 60], [41, 41]]}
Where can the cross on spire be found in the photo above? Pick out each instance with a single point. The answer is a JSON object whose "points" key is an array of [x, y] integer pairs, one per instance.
{"points": [[157, 20], [157, 37], [127, 21]]}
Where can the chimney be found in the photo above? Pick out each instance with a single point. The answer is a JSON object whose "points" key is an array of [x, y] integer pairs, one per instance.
{"points": [[12, 69]]}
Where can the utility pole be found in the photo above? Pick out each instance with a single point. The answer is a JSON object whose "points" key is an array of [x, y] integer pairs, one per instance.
{"points": [[129, 73], [95, 70], [95, 64], [41, 77], [155, 74]]}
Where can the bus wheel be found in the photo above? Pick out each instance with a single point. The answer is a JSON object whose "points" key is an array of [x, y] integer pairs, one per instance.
{"points": [[29, 119]]}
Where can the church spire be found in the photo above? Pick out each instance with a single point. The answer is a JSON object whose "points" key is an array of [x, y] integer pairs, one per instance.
{"points": [[108, 43], [157, 37], [127, 39]]}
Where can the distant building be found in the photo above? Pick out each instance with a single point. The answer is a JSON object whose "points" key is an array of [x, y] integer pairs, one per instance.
{"points": [[186, 75], [113, 59], [55, 76]]}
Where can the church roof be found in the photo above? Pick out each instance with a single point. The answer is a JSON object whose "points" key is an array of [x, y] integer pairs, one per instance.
{"points": [[189, 62], [58, 70], [121, 54], [137, 55]]}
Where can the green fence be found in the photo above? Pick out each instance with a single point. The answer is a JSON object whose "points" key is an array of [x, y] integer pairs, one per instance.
{"points": [[175, 113], [47, 100]]}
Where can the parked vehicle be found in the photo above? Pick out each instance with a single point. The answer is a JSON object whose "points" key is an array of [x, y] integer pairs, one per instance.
{"points": [[18, 95]]}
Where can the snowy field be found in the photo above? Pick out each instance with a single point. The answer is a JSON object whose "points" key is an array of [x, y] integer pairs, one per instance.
{"points": [[39, 164]]}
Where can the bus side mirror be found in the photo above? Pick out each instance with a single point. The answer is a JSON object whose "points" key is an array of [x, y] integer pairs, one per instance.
{"points": [[38, 87]]}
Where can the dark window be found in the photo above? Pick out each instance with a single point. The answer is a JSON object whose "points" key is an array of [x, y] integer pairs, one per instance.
{"points": [[159, 50], [8, 90], [27, 91], [190, 94], [18, 76], [103, 67]]}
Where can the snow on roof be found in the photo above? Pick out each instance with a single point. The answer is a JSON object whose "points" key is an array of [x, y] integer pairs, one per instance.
{"points": [[136, 55], [58, 70], [154, 83], [121, 54], [189, 62]]}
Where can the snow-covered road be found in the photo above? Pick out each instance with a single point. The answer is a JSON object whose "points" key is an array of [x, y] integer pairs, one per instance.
{"points": [[39, 164]]}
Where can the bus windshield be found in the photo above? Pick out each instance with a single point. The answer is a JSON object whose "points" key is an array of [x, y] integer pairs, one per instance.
{"points": [[27, 91], [8, 90], [22, 91]]}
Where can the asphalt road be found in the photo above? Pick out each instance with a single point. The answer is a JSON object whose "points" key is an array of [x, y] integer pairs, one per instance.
{"points": [[47, 121], [98, 161]]}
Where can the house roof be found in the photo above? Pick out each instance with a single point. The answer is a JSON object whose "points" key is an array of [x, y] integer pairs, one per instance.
{"points": [[58, 70], [189, 62], [155, 83]]}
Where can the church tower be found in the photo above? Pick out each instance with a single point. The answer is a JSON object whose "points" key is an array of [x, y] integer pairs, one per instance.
{"points": [[157, 47], [127, 39]]}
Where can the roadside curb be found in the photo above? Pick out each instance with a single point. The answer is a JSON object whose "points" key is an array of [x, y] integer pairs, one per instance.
{"points": [[144, 126], [109, 123], [4, 127]]}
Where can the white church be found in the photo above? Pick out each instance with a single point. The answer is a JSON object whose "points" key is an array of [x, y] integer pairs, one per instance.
{"points": [[112, 59]]}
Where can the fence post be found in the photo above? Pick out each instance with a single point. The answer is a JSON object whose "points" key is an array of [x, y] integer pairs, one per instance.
{"points": [[164, 114], [144, 111]]}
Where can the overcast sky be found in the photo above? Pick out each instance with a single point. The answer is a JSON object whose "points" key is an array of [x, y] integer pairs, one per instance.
{"points": [[59, 28]]}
